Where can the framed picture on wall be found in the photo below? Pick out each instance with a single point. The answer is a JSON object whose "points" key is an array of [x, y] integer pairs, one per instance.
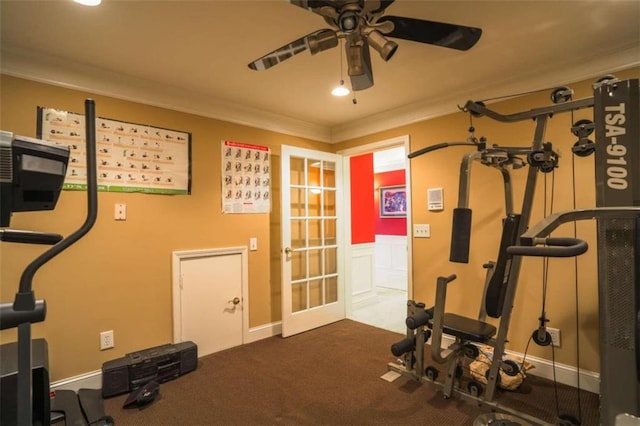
{"points": [[393, 201]]}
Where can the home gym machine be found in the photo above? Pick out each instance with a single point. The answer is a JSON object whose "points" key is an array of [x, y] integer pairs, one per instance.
{"points": [[615, 171], [617, 112], [32, 173]]}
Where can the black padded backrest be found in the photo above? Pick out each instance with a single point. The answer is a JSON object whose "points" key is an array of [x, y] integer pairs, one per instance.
{"points": [[497, 287], [460, 235]]}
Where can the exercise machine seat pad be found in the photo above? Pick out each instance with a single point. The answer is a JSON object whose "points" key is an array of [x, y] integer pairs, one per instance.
{"points": [[466, 328]]}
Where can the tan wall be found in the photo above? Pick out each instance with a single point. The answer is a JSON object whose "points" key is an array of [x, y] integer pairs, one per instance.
{"points": [[104, 281], [430, 256], [119, 275]]}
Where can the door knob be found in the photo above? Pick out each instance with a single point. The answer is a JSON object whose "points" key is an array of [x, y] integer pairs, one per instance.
{"points": [[287, 250], [235, 300]]}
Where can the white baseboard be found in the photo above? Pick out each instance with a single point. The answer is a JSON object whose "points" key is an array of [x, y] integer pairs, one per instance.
{"points": [[364, 299], [565, 374], [91, 380], [264, 332]]}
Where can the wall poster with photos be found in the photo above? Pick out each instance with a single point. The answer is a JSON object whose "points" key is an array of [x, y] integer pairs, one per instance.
{"points": [[131, 157], [246, 175]]}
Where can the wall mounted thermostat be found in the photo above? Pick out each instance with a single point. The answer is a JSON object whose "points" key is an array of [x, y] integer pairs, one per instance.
{"points": [[435, 199]]}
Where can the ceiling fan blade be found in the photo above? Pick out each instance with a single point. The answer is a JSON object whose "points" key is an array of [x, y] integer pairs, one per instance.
{"points": [[315, 42], [438, 33], [321, 7], [381, 6]]}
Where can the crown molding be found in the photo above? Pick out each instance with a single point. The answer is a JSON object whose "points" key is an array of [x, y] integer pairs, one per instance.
{"points": [[73, 75], [61, 72], [562, 73]]}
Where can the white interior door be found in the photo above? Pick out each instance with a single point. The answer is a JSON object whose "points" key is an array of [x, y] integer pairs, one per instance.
{"points": [[312, 271], [211, 301]]}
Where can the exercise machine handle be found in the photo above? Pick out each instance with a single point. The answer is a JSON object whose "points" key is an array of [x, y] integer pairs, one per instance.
{"points": [[29, 237], [12, 318], [554, 247]]}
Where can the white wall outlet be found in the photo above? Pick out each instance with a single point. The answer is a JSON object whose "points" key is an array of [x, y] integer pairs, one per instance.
{"points": [[422, 230], [253, 244], [106, 340], [555, 336], [120, 212]]}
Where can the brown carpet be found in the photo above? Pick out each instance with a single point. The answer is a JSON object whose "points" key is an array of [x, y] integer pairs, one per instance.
{"points": [[328, 376]]}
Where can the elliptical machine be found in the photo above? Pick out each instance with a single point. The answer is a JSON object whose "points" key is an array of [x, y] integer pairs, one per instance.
{"points": [[34, 177]]}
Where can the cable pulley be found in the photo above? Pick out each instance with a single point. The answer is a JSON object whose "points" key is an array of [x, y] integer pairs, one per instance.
{"points": [[545, 160], [584, 146], [561, 95]]}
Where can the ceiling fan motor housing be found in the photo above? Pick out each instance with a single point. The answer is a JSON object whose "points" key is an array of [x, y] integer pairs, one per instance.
{"points": [[348, 21]]}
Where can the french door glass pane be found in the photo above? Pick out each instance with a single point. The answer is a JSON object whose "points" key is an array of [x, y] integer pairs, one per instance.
{"points": [[315, 208], [298, 265], [315, 263], [331, 289], [330, 260], [315, 293], [298, 233], [329, 208], [330, 232], [297, 202], [315, 232], [297, 171], [329, 174], [299, 297], [314, 172]]}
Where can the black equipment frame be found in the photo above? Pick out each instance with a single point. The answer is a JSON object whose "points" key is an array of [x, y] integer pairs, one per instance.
{"points": [[25, 309], [413, 362]]}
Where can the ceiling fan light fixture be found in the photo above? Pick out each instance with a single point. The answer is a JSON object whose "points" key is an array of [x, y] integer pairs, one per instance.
{"points": [[385, 47], [88, 2], [348, 21], [322, 40], [340, 90]]}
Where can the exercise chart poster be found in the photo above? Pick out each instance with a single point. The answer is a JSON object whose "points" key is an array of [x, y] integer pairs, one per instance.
{"points": [[246, 175], [131, 157]]}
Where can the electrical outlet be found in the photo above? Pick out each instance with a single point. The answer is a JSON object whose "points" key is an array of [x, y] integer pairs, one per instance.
{"points": [[555, 336], [421, 231], [120, 212], [106, 340]]}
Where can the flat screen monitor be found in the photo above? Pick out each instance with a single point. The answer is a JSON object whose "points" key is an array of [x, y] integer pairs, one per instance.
{"points": [[32, 173]]}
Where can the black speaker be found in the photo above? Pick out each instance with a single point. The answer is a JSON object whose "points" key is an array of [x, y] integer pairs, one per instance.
{"points": [[115, 377], [188, 356]]}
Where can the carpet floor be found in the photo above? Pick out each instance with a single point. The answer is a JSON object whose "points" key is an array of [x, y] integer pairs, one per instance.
{"points": [[329, 376]]}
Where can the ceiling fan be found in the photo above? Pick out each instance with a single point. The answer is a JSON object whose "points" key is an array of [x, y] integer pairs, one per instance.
{"points": [[361, 24]]}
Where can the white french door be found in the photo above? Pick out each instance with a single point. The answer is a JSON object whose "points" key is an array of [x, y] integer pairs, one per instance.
{"points": [[312, 267]]}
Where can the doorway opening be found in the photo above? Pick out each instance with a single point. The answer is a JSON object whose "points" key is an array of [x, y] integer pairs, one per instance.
{"points": [[378, 257]]}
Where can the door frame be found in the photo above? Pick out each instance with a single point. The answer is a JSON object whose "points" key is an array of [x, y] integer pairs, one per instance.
{"points": [[346, 154], [176, 284]]}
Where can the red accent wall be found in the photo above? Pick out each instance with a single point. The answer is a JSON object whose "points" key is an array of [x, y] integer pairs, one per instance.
{"points": [[362, 204], [388, 225]]}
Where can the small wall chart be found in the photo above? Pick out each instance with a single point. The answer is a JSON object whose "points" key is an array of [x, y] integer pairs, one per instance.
{"points": [[246, 175], [131, 157]]}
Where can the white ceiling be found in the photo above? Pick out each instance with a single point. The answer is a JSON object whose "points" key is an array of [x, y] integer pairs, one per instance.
{"points": [[192, 56]]}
